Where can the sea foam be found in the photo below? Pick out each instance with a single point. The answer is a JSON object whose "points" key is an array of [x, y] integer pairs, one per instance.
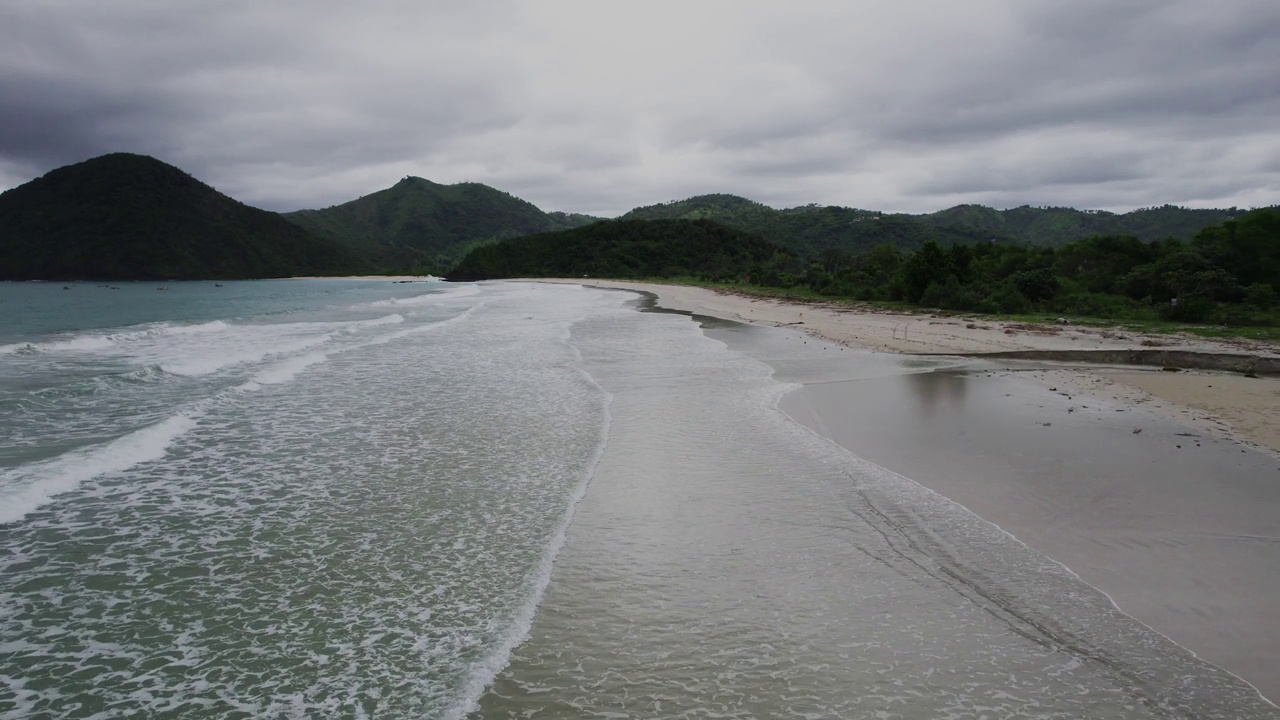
{"points": [[27, 487], [89, 341]]}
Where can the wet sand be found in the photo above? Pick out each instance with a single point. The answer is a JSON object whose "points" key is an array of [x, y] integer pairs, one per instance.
{"points": [[1160, 489], [1180, 528], [1241, 409]]}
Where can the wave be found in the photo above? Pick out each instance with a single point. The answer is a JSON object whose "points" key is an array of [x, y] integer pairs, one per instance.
{"points": [[212, 326], [393, 319], [486, 669], [103, 341], [460, 317], [450, 293], [27, 487], [288, 369], [265, 343], [91, 342], [283, 372]]}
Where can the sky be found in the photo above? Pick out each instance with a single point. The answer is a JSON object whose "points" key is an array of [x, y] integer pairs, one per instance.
{"points": [[600, 106]]}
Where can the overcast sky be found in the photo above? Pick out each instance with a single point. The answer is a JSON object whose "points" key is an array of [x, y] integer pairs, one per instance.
{"points": [[597, 107]]}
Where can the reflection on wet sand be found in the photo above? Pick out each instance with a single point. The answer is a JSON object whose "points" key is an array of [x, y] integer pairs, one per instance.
{"points": [[934, 388]]}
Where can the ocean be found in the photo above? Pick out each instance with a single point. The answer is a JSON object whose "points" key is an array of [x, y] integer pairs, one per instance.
{"points": [[366, 499]]}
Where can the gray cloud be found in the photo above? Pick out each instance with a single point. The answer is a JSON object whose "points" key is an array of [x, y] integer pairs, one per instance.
{"points": [[599, 107]]}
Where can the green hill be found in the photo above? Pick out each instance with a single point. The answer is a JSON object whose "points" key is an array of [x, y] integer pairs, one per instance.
{"points": [[124, 216], [1057, 226], [628, 249], [441, 221], [810, 229]]}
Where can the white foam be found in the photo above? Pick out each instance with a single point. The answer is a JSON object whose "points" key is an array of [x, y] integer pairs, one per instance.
{"points": [[75, 344], [264, 343], [213, 326], [28, 487], [283, 372], [103, 341], [485, 670], [452, 293], [252, 343], [392, 319]]}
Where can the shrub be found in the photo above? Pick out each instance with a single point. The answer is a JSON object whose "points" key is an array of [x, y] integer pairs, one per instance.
{"points": [[1008, 299], [1192, 309], [1096, 305], [1261, 295]]}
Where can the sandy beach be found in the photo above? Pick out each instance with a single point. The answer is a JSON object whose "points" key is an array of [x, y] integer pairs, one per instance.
{"points": [[1159, 488], [396, 278], [1227, 405]]}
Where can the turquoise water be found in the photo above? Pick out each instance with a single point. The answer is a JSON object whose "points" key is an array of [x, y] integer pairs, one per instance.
{"points": [[348, 498], [280, 498]]}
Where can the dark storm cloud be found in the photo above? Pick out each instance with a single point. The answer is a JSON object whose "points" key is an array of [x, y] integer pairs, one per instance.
{"points": [[599, 107], [1153, 68], [61, 120], [228, 88]]}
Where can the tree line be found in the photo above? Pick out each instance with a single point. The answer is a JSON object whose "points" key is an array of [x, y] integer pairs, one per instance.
{"points": [[1227, 274]]}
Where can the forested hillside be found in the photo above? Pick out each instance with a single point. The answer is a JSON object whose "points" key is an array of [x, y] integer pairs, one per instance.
{"points": [[1228, 274], [810, 229], [628, 249], [124, 216], [441, 222]]}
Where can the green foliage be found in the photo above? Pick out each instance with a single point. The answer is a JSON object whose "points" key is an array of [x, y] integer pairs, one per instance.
{"points": [[812, 229], [632, 249], [948, 295], [1262, 296], [1057, 226], [124, 216], [441, 222], [1214, 279], [1006, 299], [1036, 285], [925, 267]]}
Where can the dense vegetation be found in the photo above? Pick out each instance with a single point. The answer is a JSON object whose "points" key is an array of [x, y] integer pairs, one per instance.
{"points": [[627, 249], [1228, 274], [433, 225], [811, 229], [125, 216]]}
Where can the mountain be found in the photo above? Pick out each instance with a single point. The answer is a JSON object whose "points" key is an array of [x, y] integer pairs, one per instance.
{"points": [[441, 221], [810, 229], [132, 217], [628, 249]]}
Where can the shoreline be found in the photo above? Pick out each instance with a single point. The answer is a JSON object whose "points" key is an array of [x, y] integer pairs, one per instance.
{"points": [[1226, 404], [1176, 528], [397, 278]]}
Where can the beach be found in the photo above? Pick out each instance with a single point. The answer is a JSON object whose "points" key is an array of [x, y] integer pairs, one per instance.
{"points": [[514, 499], [1161, 489], [1226, 405]]}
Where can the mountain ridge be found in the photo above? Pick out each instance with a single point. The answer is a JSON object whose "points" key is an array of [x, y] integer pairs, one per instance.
{"points": [[441, 221], [124, 216], [111, 225], [811, 229]]}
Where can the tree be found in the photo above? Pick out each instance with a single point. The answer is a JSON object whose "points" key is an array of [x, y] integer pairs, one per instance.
{"points": [[927, 265]]}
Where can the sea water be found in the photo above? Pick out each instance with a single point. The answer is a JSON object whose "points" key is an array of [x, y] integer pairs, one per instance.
{"points": [[345, 498]]}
